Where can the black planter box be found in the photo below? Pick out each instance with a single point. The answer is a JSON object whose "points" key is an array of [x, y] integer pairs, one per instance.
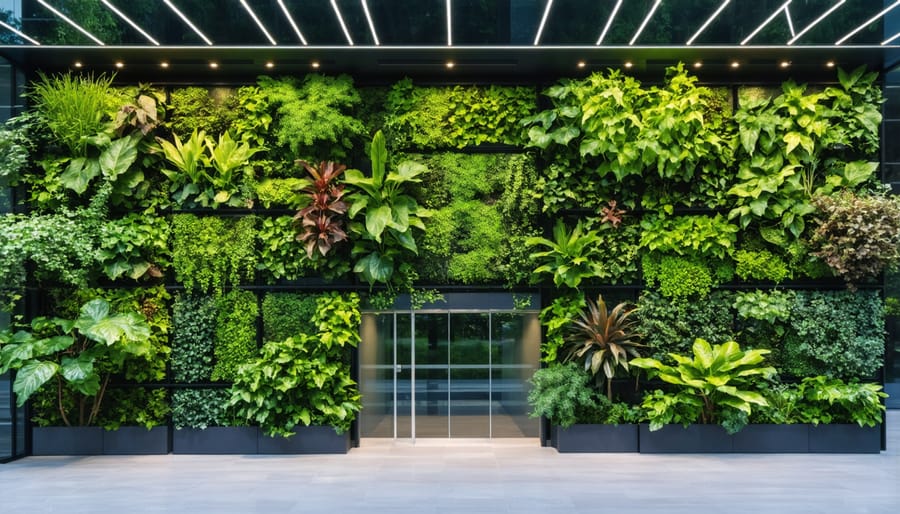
{"points": [[136, 441], [771, 439], [215, 441], [67, 441], [306, 440], [595, 438], [680, 439], [840, 438]]}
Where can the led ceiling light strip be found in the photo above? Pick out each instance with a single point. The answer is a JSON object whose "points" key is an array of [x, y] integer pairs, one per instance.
{"points": [[187, 22], [70, 22], [644, 23], [768, 20], [609, 22], [816, 21], [866, 24], [790, 20], [259, 22], [449, 25], [128, 20], [365, 5], [290, 19], [537, 37], [707, 22], [888, 41], [19, 33], [337, 12]]}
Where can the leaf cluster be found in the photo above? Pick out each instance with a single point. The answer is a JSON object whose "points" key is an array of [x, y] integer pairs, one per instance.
{"points": [[320, 224], [135, 246], [193, 337], [556, 319], [826, 400], [235, 335], [201, 408], [671, 326], [281, 256], [288, 314], [761, 265], [209, 252]]}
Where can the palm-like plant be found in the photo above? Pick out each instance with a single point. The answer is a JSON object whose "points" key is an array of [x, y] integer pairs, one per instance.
{"points": [[606, 341]]}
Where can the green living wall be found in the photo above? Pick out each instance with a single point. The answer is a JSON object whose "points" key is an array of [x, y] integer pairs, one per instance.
{"points": [[728, 214]]}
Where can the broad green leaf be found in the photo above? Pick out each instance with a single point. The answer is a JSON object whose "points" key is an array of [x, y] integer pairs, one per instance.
{"points": [[52, 345], [378, 155], [118, 157], [77, 370], [79, 174], [375, 267], [377, 219], [31, 377]]}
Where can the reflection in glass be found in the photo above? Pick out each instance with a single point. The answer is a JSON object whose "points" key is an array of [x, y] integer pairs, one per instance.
{"points": [[515, 340], [376, 375], [431, 353], [470, 375]]}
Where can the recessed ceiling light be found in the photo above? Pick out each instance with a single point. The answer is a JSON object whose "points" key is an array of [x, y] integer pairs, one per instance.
{"points": [[270, 64], [698, 64], [830, 64], [735, 64], [78, 64], [315, 64], [582, 64], [164, 64], [785, 64], [450, 64], [213, 64], [628, 64], [120, 64]]}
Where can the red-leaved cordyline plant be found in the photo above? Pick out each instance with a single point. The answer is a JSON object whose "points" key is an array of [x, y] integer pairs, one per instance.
{"points": [[320, 223]]}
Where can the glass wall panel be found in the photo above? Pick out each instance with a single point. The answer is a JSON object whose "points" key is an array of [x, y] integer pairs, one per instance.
{"points": [[403, 360], [431, 375], [515, 344], [470, 375], [376, 375]]}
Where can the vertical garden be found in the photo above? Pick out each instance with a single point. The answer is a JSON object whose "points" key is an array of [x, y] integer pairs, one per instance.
{"points": [[198, 257]]}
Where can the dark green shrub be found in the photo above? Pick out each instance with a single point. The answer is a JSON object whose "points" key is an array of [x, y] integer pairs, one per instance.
{"points": [[235, 341], [838, 334], [193, 336], [288, 314], [669, 325], [194, 108], [281, 256], [201, 408], [142, 407]]}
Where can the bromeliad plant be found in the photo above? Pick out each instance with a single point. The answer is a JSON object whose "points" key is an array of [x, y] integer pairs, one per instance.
{"points": [[384, 235], [81, 354], [605, 340], [719, 384], [320, 224]]}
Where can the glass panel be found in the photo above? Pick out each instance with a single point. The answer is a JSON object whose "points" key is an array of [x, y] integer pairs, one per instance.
{"points": [[403, 358], [891, 152], [376, 375], [515, 343], [892, 354], [431, 375], [470, 375], [5, 405]]}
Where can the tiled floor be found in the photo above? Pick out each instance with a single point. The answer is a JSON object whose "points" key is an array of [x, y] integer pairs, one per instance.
{"points": [[470, 477]]}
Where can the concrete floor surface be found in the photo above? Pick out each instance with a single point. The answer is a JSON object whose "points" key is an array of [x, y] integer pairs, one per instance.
{"points": [[458, 476]]}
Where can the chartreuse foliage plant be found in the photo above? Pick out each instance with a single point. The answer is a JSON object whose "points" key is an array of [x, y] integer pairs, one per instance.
{"points": [[313, 118], [799, 145], [858, 237], [821, 399], [455, 117], [211, 252], [235, 336], [80, 354], [570, 257], [383, 216], [305, 378], [718, 384]]}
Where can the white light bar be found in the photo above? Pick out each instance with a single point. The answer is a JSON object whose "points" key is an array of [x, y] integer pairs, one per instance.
{"points": [[188, 22], [287, 14], [888, 41], [768, 20], [790, 20], [537, 37], [18, 33], [449, 24], [644, 23], [259, 22], [70, 22], [867, 22], [128, 20], [337, 12], [708, 21], [371, 24], [609, 22], [817, 20]]}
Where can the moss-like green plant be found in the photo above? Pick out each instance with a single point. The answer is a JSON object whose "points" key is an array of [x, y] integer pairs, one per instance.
{"points": [[193, 338], [288, 314], [235, 338], [760, 265], [210, 252]]}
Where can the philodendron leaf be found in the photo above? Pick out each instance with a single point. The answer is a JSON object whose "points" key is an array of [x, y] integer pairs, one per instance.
{"points": [[377, 219], [31, 377], [79, 174], [77, 370], [375, 268], [118, 157]]}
